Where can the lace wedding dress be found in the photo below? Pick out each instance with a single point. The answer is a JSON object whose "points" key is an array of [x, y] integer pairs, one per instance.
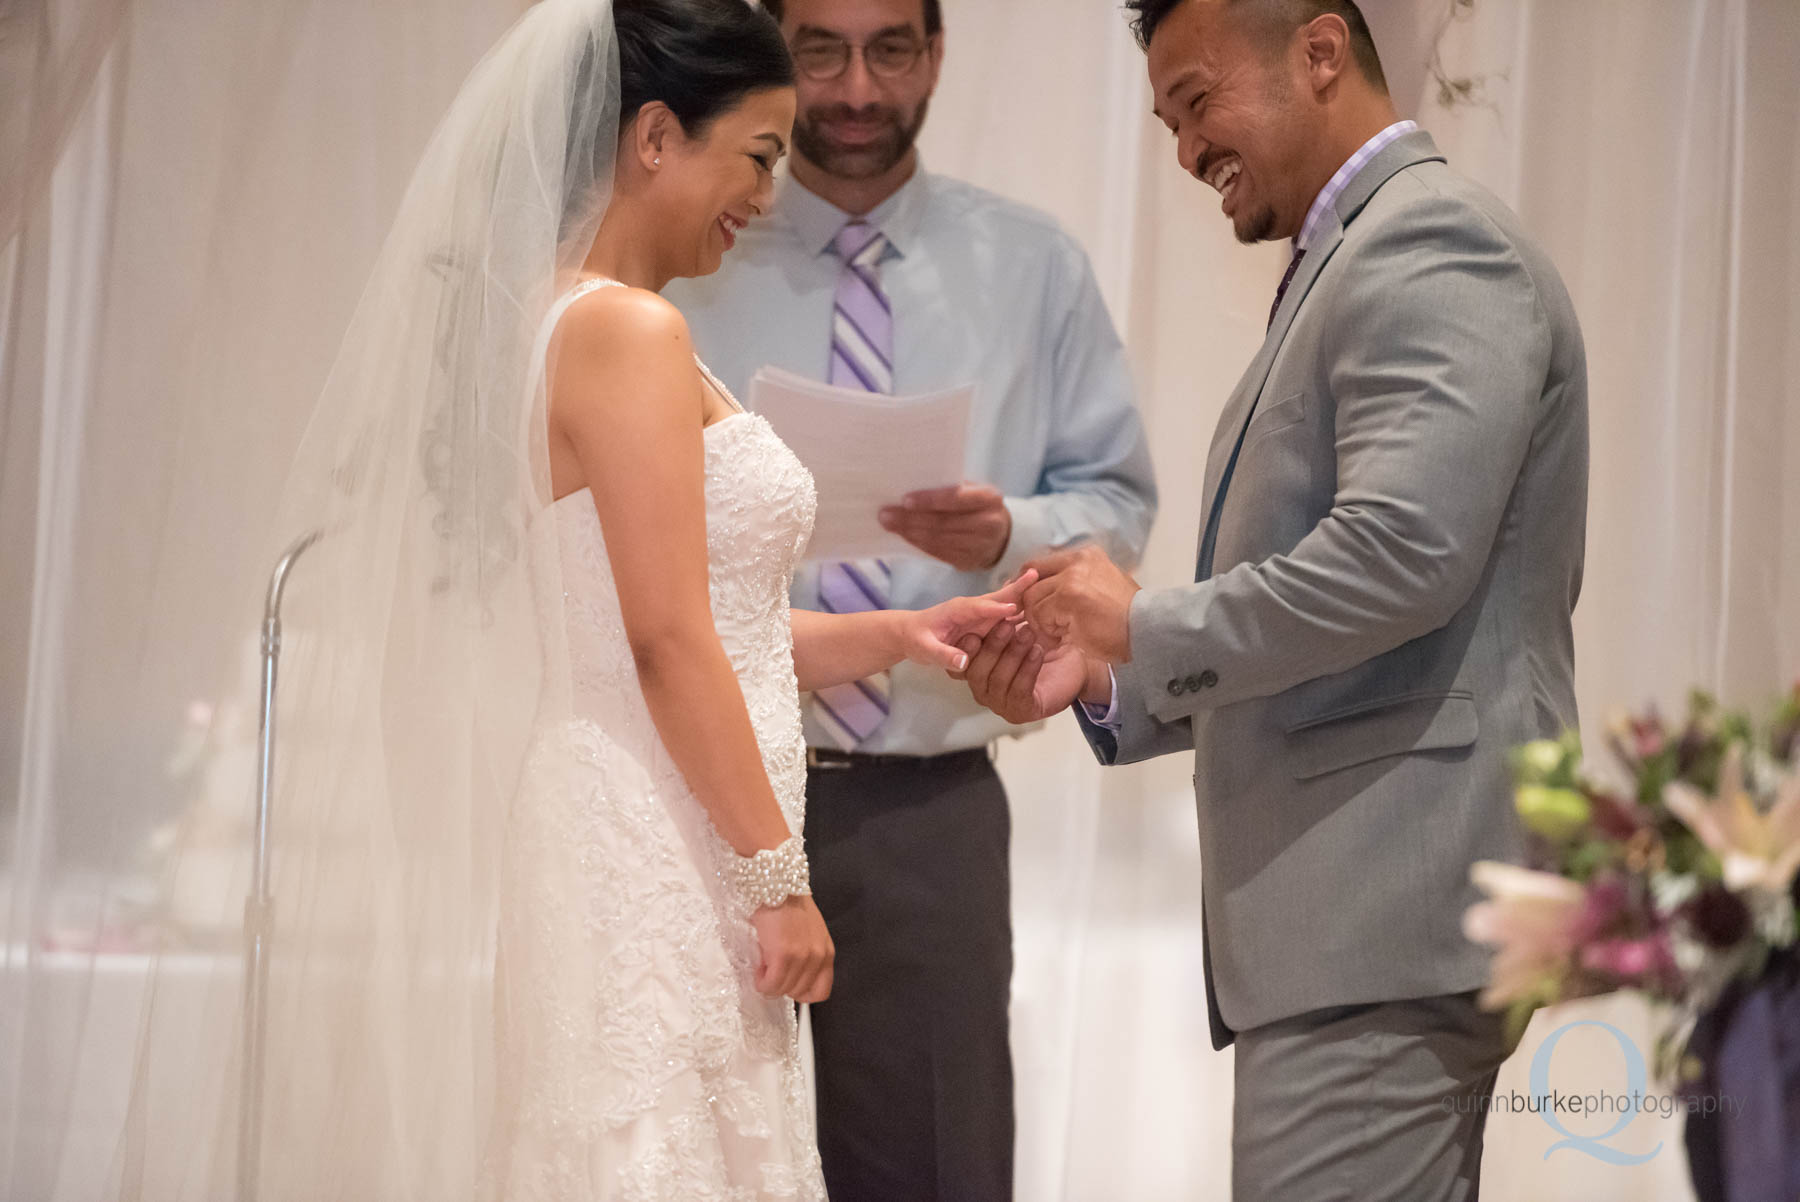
{"points": [[635, 1059]]}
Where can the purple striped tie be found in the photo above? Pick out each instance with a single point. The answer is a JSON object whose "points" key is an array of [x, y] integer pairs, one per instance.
{"points": [[862, 356]]}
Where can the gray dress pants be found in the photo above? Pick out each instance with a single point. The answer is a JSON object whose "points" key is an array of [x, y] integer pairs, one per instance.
{"points": [[1386, 1101]]}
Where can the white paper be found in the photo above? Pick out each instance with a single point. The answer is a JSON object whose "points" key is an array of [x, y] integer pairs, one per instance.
{"points": [[865, 450]]}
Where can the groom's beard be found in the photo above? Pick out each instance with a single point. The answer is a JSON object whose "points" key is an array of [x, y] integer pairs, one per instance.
{"points": [[1256, 226], [866, 160]]}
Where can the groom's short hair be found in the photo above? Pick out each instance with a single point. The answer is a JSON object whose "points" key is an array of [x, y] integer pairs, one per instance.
{"points": [[934, 14], [1275, 21]]}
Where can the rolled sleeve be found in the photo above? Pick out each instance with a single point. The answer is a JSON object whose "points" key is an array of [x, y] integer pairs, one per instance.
{"points": [[1097, 481]]}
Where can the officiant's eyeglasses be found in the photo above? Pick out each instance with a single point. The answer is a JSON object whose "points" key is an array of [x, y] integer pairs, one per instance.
{"points": [[889, 56]]}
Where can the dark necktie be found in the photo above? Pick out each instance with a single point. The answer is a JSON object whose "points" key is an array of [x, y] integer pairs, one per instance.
{"points": [[1293, 266]]}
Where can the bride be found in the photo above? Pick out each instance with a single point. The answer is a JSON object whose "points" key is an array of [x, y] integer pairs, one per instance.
{"points": [[541, 911], [650, 1037]]}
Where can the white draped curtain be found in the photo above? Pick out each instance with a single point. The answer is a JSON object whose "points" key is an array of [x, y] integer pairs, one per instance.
{"points": [[192, 191]]}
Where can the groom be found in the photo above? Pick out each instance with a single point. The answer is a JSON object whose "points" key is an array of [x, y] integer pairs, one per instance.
{"points": [[1381, 608]]}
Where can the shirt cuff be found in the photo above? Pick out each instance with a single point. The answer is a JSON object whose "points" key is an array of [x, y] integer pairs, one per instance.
{"points": [[1106, 717], [1031, 536]]}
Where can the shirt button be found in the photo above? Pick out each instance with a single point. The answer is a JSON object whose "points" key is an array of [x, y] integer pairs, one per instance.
{"points": [[1208, 679], [1176, 689]]}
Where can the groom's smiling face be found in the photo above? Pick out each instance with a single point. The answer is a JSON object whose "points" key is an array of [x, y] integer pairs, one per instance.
{"points": [[1239, 124]]}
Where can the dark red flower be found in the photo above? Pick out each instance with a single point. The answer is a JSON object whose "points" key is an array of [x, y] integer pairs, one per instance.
{"points": [[1717, 916], [1617, 817]]}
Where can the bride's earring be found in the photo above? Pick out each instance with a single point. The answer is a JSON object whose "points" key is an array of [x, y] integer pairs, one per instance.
{"points": [[656, 162]]}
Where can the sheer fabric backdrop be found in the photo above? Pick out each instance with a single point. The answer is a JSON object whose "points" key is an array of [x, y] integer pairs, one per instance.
{"points": [[182, 286], [219, 194]]}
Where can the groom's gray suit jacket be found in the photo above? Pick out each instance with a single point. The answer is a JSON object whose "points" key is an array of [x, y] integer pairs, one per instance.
{"points": [[1386, 607]]}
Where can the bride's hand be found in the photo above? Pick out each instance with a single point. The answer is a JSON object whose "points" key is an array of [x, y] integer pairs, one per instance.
{"points": [[930, 636], [797, 953]]}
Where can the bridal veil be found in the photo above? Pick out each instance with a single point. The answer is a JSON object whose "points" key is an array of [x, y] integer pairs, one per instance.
{"points": [[411, 668]]}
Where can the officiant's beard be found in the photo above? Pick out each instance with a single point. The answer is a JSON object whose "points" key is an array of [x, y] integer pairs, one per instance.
{"points": [[868, 160]]}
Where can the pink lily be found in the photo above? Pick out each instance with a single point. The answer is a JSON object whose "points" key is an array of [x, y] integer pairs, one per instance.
{"points": [[1757, 850], [1530, 918]]}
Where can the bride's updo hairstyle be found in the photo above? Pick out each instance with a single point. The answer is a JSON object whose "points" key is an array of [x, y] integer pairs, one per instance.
{"points": [[699, 57]]}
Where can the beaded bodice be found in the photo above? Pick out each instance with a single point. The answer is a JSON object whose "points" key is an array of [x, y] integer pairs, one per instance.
{"points": [[759, 513]]}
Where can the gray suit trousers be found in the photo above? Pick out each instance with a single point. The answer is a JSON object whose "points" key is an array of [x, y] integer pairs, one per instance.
{"points": [[1369, 1103]]}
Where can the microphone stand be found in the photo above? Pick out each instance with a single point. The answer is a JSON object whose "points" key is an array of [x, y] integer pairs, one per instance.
{"points": [[258, 905]]}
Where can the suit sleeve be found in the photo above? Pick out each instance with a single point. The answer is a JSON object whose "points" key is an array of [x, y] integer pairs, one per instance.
{"points": [[1438, 349], [1097, 479], [1139, 736]]}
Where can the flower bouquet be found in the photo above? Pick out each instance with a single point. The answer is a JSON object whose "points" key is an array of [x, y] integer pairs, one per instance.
{"points": [[1672, 874]]}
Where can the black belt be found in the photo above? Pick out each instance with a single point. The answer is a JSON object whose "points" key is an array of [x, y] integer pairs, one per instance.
{"points": [[831, 760]]}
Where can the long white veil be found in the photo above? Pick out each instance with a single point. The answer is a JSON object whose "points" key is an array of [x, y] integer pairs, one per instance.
{"points": [[412, 665]]}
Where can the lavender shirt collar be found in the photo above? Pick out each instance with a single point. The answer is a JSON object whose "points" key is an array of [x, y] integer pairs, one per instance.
{"points": [[1328, 196]]}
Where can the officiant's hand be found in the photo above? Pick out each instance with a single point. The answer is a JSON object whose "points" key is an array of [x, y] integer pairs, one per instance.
{"points": [[1084, 598], [965, 525], [1024, 679]]}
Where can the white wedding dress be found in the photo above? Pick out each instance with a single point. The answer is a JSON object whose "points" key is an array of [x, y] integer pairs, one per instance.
{"points": [[635, 1059]]}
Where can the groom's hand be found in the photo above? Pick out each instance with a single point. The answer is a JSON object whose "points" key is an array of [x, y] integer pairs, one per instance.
{"points": [[1082, 597], [1023, 679]]}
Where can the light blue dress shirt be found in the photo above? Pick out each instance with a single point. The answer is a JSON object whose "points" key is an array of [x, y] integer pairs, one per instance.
{"points": [[984, 291]]}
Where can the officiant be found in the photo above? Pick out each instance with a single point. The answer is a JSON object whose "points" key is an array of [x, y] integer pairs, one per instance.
{"points": [[874, 274]]}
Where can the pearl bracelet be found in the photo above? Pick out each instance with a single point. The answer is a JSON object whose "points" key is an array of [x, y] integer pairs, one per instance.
{"points": [[771, 876]]}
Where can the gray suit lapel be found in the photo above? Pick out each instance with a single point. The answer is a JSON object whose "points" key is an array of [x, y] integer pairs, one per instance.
{"points": [[1242, 405], [1403, 152], [1249, 388]]}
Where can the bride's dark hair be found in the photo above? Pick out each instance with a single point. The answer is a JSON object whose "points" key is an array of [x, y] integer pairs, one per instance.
{"points": [[699, 57]]}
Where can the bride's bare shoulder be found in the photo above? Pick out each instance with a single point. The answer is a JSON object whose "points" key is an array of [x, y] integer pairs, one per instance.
{"points": [[615, 348], [628, 326]]}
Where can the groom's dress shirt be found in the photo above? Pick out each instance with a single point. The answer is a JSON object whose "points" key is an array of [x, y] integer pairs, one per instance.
{"points": [[1328, 195], [985, 292], [1108, 715]]}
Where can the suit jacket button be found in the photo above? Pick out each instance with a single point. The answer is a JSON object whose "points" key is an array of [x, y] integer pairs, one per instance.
{"points": [[1208, 679], [1175, 688], [1193, 684]]}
